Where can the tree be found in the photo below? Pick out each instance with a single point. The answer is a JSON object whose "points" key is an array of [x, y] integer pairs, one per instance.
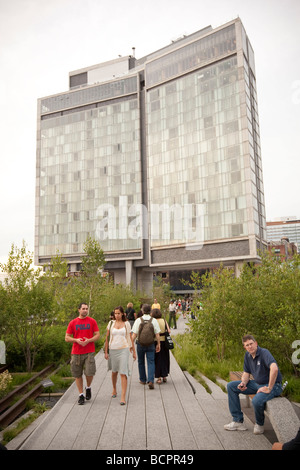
{"points": [[101, 293], [214, 308], [63, 288], [68, 291], [94, 259], [163, 293], [92, 265], [273, 313], [263, 301], [27, 306], [90, 286]]}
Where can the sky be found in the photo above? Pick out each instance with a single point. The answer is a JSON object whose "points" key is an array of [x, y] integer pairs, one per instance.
{"points": [[41, 41]]}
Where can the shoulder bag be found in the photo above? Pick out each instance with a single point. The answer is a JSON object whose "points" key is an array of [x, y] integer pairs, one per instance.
{"points": [[169, 342], [110, 325]]}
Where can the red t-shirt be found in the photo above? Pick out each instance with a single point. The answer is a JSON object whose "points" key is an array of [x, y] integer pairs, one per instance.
{"points": [[82, 328]]}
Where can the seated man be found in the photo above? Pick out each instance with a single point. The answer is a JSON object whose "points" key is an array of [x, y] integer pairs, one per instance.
{"points": [[266, 385]]}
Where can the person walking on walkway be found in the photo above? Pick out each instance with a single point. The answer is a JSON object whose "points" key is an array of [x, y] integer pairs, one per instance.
{"points": [[118, 343], [144, 349], [172, 315], [266, 385], [83, 332], [130, 313], [155, 304], [162, 358], [183, 308]]}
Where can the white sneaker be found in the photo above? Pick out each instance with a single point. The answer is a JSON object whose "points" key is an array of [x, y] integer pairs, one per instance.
{"points": [[234, 426], [258, 429]]}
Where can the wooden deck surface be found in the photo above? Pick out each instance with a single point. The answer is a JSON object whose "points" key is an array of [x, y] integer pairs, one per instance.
{"points": [[177, 415]]}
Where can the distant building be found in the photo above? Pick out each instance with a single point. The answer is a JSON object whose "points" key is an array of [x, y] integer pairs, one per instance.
{"points": [[283, 249], [158, 158], [285, 227]]}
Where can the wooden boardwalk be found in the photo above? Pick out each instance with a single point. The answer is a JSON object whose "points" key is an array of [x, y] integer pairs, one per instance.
{"points": [[173, 416]]}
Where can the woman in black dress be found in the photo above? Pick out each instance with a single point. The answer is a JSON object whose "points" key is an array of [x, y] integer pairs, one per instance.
{"points": [[162, 358]]}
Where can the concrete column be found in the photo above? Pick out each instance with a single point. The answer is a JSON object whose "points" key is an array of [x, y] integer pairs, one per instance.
{"points": [[130, 273], [238, 268], [145, 281], [73, 267]]}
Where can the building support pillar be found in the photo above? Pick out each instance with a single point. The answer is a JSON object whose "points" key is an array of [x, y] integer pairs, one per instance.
{"points": [[130, 273], [238, 266]]}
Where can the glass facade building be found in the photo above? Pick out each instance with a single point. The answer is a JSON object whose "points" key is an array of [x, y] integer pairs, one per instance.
{"points": [[162, 163], [90, 158]]}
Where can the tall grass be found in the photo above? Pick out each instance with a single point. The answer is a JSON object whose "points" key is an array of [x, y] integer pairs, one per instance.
{"points": [[191, 356]]}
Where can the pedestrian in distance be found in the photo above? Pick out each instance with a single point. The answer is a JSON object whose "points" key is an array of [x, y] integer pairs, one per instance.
{"points": [[130, 313], [162, 358], [118, 344], [184, 308], [155, 305], [112, 315], [140, 313], [266, 385], [172, 314], [145, 330], [83, 332]]}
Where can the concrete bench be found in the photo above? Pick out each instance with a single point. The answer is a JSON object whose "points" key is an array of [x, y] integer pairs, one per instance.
{"points": [[280, 412], [283, 418]]}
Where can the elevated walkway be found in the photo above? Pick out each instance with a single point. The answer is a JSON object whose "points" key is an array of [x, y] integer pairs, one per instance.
{"points": [[177, 415]]}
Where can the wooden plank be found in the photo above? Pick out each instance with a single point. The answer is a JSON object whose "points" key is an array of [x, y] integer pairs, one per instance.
{"points": [[92, 427], [201, 428], [115, 428], [134, 435], [218, 414], [179, 427], [157, 429], [43, 436], [73, 423], [170, 417]]}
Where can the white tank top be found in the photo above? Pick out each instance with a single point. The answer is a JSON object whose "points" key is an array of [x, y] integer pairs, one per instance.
{"points": [[118, 338]]}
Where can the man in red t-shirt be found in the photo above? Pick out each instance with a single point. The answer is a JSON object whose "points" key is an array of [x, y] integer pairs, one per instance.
{"points": [[83, 332]]}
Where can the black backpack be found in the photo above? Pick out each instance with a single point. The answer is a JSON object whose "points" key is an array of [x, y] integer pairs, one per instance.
{"points": [[146, 334]]}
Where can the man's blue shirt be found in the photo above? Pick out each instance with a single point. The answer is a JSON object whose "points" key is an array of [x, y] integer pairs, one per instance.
{"points": [[259, 367]]}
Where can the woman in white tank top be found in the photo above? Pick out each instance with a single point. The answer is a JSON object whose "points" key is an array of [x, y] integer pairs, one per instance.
{"points": [[117, 351]]}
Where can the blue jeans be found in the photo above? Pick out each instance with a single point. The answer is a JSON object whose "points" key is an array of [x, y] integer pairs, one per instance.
{"points": [[258, 401], [149, 352]]}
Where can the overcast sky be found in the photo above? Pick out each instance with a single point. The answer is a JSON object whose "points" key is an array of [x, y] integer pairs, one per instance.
{"points": [[41, 41]]}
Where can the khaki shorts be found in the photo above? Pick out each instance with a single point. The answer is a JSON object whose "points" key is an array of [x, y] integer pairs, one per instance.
{"points": [[80, 362]]}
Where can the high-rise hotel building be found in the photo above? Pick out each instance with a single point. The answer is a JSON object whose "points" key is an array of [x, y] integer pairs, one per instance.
{"points": [[158, 158]]}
